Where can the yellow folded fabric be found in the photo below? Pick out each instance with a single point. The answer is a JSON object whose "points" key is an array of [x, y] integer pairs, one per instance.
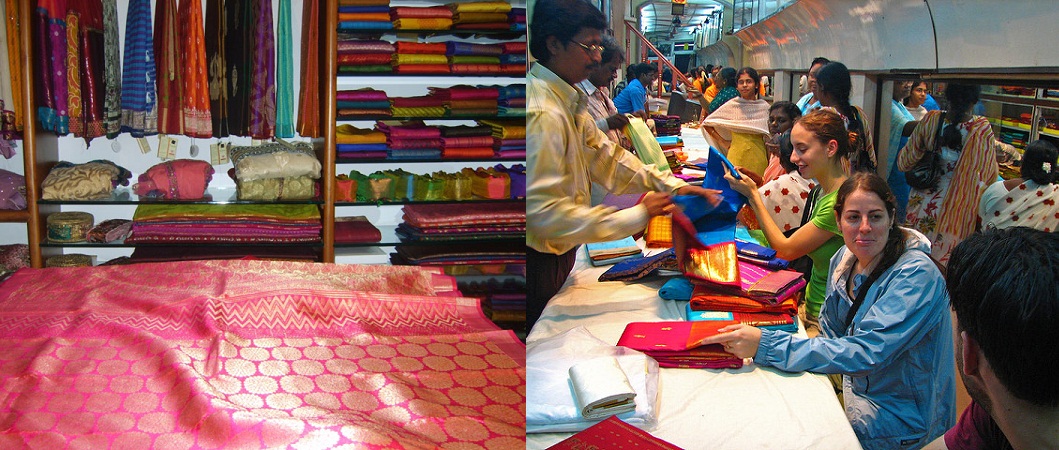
{"points": [[659, 232], [422, 24], [348, 134], [419, 59], [419, 111], [506, 129], [495, 7]]}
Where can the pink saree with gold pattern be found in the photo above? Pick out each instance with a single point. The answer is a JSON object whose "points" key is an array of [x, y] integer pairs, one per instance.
{"points": [[253, 354]]}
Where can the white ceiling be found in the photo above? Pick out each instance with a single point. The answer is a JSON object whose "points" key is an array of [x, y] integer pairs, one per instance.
{"points": [[656, 18]]}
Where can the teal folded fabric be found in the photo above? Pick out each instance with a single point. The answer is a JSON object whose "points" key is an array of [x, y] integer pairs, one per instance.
{"points": [[677, 288]]}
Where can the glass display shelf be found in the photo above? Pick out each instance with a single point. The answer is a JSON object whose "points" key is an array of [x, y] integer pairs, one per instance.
{"points": [[431, 202], [123, 195], [390, 239], [123, 244]]}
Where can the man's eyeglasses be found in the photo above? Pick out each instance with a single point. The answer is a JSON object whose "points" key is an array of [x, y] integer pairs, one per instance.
{"points": [[590, 48]]}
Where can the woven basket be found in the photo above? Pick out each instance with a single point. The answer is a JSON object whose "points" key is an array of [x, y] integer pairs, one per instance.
{"points": [[69, 226], [69, 260]]}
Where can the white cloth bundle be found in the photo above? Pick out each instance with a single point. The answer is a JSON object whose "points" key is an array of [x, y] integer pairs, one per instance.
{"points": [[738, 115], [601, 388], [550, 403]]}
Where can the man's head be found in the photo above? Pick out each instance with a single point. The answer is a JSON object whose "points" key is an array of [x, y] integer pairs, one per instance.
{"points": [[1003, 287], [646, 72], [566, 37], [902, 88], [613, 58]]}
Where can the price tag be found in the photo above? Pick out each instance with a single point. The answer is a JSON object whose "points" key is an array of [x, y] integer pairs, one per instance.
{"points": [[166, 147], [219, 153], [145, 148]]}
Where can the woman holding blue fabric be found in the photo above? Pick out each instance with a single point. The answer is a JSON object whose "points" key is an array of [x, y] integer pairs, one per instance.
{"points": [[886, 326], [820, 143]]}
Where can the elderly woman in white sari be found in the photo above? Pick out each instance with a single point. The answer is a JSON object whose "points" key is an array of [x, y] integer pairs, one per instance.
{"points": [[739, 127], [1027, 201]]}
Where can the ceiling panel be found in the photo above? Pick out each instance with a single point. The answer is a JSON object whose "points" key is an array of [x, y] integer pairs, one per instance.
{"points": [[656, 18]]}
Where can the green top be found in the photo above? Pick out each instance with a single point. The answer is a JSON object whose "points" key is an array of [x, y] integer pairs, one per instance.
{"points": [[823, 217]]}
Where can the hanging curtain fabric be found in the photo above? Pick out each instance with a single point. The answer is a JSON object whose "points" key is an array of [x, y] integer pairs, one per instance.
{"points": [[167, 66], [139, 115], [111, 70], [196, 99], [263, 79], [237, 16], [284, 74], [309, 96], [51, 85], [14, 60], [216, 33], [84, 54]]}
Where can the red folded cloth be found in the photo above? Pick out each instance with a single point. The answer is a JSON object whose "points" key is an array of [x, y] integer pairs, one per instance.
{"points": [[406, 12], [513, 47], [355, 229], [363, 59], [406, 47], [421, 69], [468, 152], [414, 102]]}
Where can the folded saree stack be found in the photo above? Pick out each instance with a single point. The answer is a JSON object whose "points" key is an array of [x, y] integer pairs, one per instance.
{"points": [[431, 223], [465, 101], [365, 102], [364, 56], [420, 58], [421, 18], [411, 140], [237, 224], [516, 18], [353, 142], [361, 15], [511, 101], [424, 106], [488, 15], [509, 137], [275, 171]]}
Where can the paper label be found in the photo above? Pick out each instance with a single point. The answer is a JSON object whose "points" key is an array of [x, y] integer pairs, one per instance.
{"points": [[219, 153], [145, 147], [166, 147]]}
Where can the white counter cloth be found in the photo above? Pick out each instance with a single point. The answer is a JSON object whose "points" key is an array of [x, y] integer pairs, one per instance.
{"points": [[749, 408]]}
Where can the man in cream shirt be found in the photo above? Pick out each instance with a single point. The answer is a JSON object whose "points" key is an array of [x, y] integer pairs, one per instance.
{"points": [[566, 152]]}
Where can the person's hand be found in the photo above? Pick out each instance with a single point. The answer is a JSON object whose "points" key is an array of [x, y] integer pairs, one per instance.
{"points": [[641, 114], [617, 121], [744, 185], [657, 203], [712, 195], [739, 339]]}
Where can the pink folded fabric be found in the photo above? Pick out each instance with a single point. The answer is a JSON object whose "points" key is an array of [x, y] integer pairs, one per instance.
{"points": [[415, 102], [363, 59], [414, 143], [357, 46], [428, 215], [362, 95], [465, 93], [402, 12], [414, 130], [468, 141], [182, 179]]}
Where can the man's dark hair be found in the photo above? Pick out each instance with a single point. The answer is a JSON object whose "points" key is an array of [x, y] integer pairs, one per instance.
{"points": [[729, 75], [611, 49], [645, 68], [562, 19], [819, 60], [1003, 285]]}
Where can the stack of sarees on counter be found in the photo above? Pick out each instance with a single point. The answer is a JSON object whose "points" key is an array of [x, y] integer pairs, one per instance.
{"points": [[765, 296], [364, 57], [420, 58], [471, 222], [421, 18], [361, 15], [365, 102]]}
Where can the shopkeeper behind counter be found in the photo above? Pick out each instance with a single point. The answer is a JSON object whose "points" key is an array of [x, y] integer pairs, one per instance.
{"points": [[566, 152]]}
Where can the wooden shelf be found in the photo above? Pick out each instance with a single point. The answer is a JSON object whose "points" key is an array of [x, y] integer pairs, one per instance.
{"points": [[19, 216]]}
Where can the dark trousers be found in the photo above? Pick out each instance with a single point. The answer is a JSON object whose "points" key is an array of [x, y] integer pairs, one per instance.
{"points": [[545, 274]]}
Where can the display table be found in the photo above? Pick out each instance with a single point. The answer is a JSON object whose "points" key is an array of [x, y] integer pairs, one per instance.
{"points": [[749, 408]]}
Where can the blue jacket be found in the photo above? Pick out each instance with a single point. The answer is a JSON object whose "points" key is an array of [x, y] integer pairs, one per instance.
{"points": [[896, 357]]}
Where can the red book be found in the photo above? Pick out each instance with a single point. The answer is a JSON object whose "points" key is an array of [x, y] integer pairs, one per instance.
{"points": [[613, 433]]}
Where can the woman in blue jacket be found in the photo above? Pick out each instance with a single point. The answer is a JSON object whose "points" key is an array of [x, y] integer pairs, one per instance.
{"points": [[885, 326]]}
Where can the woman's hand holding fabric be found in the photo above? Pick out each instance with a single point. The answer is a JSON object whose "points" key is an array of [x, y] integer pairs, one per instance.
{"points": [[740, 340], [744, 185]]}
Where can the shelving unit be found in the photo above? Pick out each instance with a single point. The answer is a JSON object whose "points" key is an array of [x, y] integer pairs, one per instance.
{"points": [[1019, 118]]}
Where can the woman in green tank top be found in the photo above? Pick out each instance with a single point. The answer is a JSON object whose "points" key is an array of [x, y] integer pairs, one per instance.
{"points": [[821, 143]]}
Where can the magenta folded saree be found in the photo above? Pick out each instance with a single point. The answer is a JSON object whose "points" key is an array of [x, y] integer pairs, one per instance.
{"points": [[426, 216], [201, 355]]}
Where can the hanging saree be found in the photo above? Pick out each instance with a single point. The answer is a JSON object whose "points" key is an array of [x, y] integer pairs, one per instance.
{"points": [[263, 78], [284, 74], [237, 17], [167, 66], [13, 121], [51, 40], [138, 114], [111, 70], [216, 33], [7, 115], [196, 98], [309, 97], [84, 38]]}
